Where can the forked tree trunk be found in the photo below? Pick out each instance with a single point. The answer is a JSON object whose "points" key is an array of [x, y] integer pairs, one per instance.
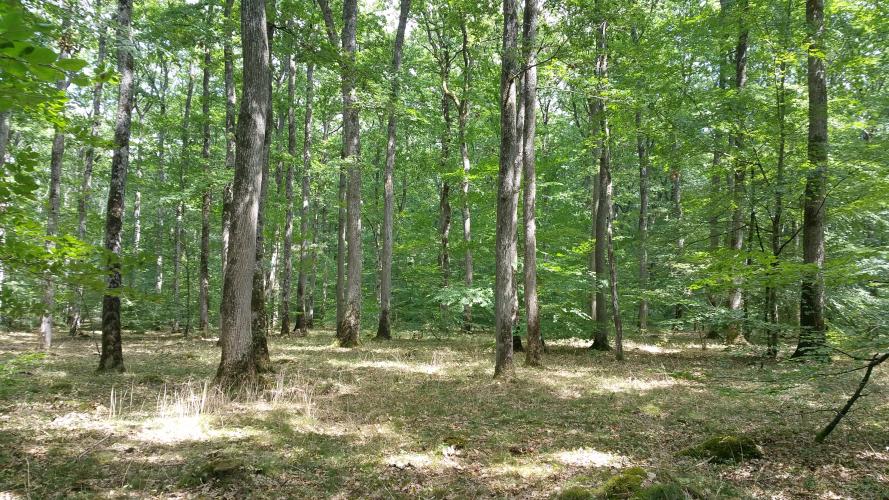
{"points": [[237, 367], [507, 196], [384, 326], [111, 357], [812, 326], [534, 349]]}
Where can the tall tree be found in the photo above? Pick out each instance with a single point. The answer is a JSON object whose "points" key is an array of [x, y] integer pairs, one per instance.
{"points": [[505, 252], [301, 295], [384, 327], [230, 98], [206, 198], [178, 229], [532, 312], [111, 357], [286, 284], [237, 365], [600, 339], [812, 327]]}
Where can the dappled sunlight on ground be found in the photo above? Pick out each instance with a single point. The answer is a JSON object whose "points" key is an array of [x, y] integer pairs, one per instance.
{"points": [[588, 457], [416, 418]]}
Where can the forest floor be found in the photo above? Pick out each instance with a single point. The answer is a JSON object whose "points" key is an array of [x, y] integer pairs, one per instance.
{"points": [[424, 418]]}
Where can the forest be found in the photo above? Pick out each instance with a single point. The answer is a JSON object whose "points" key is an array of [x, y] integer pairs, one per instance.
{"points": [[444, 249]]}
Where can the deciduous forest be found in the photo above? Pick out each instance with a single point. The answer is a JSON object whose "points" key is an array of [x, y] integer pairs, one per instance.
{"points": [[444, 249]]}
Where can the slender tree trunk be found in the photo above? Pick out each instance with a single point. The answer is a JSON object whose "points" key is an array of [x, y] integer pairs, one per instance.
{"points": [[162, 180], [52, 223], [4, 141], [384, 327], [444, 202], [302, 319], [206, 200], [593, 111], [532, 311], [812, 326], [642, 152], [676, 214], [137, 206], [463, 108], [237, 365], [180, 207], [313, 274], [600, 340], [86, 185], [507, 196], [772, 288], [736, 296], [229, 128], [286, 279], [111, 358]]}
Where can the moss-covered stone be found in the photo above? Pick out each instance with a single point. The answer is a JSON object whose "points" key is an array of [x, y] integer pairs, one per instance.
{"points": [[662, 491], [723, 449], [576, 493], [625, 484]]}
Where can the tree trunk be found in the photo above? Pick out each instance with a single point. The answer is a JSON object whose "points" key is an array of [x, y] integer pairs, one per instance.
{"points": [[206, 200], [507, 196], [286, 278], [736, 296], [642, 152], [351, 322], [111, 358], [812, 326], [237, 366], [229, 129], [180, 207], [464, 185], [261, 358], [777, 222], [86, 185], [162, 180], [52, 229], [532, 312], [384, 327], [600, 340], [302, 319]]}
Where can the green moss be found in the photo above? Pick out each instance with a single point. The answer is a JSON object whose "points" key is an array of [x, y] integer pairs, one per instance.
{"points": [[625, 484], [576, 493], [662, 491], [723, 449]]}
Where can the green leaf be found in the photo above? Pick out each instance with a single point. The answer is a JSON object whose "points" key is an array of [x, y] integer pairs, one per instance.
{"points": [[70, 64], [38, 55]]}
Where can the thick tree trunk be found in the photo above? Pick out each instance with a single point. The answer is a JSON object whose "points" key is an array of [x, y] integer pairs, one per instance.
{"points": [[237, 365], [286, 278], [261, 358], [507, 196], [351, 321], [812, 326], [302, 319], [206, 200], [111, 358], [180, 208], [532, 312], [384, 327]]}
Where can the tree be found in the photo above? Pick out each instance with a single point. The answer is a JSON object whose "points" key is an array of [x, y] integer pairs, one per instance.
{"points": [[111, 357], [206, 198], [301, 292], [532, 313], [812, 326], [288, 190], [507, 196], [237, 366], [384, 328]]}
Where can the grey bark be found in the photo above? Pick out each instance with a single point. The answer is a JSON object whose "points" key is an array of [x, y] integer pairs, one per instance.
{"points": [[384, 327], [111, 357], [206, 200], [180, 206], [507, 196], [534, 349], [286, 277], [302, 319], [237, 365], [229, 128]]}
